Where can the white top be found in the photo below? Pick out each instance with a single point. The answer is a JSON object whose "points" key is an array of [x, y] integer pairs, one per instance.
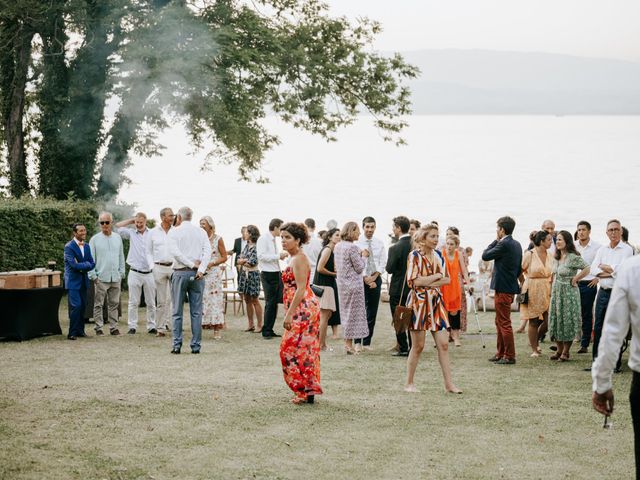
{"points": [[378, 255], [80, 245], [312, 250], [137, 256], [268, 255], [158, 245], [188, 243], [612, 257], [623, 312], [588, 253]]}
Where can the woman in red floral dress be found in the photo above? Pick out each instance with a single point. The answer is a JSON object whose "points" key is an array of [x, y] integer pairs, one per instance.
{"points": [[300, 347]]}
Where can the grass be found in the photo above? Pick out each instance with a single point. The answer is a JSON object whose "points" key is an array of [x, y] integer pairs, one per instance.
{"points": [[124, 408]]}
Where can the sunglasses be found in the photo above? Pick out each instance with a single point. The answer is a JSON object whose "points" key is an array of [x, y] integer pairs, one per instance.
{"points": [[105, 222]]}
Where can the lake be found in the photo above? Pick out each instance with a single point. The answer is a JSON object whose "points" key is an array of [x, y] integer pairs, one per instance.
{"points": [[459, 170]]}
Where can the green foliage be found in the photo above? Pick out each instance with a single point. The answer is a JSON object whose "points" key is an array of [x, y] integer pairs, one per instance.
{"points": [[218, 66], [32, 232]]}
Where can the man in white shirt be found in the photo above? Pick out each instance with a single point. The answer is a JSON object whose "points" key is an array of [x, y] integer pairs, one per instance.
{"points": [[623, 312], [376, 261], [588, 285], [140, 277], [161, 259], [191, 251], [269, 265], [313, 247], [605, 266]]}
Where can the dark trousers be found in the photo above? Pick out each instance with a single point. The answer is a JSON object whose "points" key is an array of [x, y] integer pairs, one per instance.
{"points": [[587, 297], [505, 344], [77, 299], [371, 303], [602, 302], [272, 287], [634, 401], [403, 338]]}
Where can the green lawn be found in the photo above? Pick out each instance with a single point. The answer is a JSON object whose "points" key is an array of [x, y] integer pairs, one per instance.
{"points": [[124, 408]]}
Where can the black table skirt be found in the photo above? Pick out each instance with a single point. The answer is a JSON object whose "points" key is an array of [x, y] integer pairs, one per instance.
{"points": [[29, 313]]}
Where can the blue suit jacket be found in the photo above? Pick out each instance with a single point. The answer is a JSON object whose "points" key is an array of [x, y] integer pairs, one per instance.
{"points": [[507, 254], [76, 265]]}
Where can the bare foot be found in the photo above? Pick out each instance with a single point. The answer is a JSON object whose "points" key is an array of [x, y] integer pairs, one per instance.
{"points": [[535, 354], [453, 389], [411, 388], [298, 400]]}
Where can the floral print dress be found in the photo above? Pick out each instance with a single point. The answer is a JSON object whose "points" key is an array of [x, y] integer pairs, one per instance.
{"points": [[213, 298], [300, 347], [565, 313]]}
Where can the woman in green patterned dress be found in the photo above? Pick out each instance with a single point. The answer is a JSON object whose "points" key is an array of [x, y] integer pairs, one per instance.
{"points": [[565, 313]]}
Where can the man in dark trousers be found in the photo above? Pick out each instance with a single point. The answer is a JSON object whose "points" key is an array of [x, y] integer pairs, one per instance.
{"points": [[239, 244], [269, 263], [507, 254], [397, 268], [77, 262]]}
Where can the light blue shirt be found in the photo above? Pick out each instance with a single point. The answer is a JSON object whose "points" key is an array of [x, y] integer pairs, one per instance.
{"points": [[108, 253]]}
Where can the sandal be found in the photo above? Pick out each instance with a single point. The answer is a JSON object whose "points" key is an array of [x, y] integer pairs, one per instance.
{"points": [[554, 357], [563, 358], [250, 329]]}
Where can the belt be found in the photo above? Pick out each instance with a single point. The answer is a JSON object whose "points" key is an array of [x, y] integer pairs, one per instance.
{"points": [[185, 269], [585, 282], [139, 271], [164, 264], [605, 289]]}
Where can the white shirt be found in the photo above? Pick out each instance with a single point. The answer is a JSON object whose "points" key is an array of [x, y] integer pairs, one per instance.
{"points": [[378, 254], [312, 250], [588, 253], [188, 243], [623, 311], [81, 247], [137, 256], [268, 256], [612, 257], [158, 245]]}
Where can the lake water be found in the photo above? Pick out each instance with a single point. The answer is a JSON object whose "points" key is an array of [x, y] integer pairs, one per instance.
{"points": [[459, 170]]}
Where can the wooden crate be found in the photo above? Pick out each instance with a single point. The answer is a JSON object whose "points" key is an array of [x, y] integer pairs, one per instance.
{"points": [[21, 280]]}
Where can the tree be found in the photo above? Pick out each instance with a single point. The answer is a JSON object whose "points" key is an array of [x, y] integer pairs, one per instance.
{"points": [[218, 66]]}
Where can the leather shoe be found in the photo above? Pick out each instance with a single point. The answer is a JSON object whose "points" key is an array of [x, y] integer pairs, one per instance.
{"points": [[72, 337], [583, 350], [494, 359], [400, 354], [115, 331], [195, 351], [132, 331], [99, 333], [175, 351], [153, 331], [506, 361], [275, 335]]}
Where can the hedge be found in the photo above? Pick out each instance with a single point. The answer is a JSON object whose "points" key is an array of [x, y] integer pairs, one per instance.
{"points": [[34, 231]]}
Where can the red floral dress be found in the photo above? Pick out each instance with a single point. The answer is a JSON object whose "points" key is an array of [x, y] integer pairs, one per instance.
{"points": [[300, 347]]}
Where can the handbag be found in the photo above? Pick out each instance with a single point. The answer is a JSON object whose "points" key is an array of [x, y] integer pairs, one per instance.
{"points": [[523, 298], [317, 291], [402, 315]]}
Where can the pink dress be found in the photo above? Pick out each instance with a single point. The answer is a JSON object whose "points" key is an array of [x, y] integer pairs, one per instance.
{"points": [[349, 267]]}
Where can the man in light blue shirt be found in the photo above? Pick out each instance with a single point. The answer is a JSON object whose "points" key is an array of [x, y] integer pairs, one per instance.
{"points": [[108, 253]]}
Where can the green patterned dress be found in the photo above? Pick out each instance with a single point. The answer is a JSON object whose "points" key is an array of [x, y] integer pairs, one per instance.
{"points": [[565, 314]]}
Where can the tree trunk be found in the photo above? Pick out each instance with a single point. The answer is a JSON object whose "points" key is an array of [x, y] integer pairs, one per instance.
{"points": [[13, 111]]}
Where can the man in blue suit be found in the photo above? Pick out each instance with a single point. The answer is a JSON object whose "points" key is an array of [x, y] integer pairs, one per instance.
{"points": [[77, 262]]}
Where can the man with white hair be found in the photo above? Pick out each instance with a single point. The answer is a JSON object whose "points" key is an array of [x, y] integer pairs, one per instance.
{"points": [[108, 254], [191, 252], [313, 247], [140, 277]]}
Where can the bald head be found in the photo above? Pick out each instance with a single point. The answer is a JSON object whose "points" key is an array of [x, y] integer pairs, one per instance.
{"points": [[549, 226]]}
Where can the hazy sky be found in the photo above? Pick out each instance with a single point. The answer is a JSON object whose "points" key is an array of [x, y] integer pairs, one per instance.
{"points": [[589, 28]]}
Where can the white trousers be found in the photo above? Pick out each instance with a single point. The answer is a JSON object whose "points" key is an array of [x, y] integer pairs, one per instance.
{"points": [[162, 278], [139, 282]]}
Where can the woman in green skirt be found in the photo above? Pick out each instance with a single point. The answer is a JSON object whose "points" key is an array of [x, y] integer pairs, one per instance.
{"points": [[565, 312]]}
